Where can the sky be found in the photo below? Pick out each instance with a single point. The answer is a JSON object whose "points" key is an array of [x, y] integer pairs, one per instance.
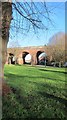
{"points": [[19, 39]]}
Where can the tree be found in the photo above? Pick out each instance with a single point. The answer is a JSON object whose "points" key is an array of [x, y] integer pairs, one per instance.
{"points": [[5, 19], [58, 54], [31, 13], [57, 47]]}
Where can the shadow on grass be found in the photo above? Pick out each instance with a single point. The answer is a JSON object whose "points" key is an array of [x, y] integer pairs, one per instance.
{"points": [[40, 86], [32, 100], [11, 76], [53, 71], [48, 86], [26, 101], [47, 95], [14, 76]]}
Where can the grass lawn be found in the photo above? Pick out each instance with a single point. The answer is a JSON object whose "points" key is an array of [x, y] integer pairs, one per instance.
{"points": [[37, 92]]}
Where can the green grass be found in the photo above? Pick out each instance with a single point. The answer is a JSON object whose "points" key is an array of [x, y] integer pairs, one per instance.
{"points": [[37, 92]]}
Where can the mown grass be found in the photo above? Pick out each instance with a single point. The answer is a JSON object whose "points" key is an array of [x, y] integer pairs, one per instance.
{"points": [[37, 92]]}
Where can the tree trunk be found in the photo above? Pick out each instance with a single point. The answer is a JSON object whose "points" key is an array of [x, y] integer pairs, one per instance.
{"points": [[5, 19], [59, 64]]}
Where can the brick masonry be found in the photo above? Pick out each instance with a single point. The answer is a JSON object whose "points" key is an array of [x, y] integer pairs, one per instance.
{"points": [[18, 52]]}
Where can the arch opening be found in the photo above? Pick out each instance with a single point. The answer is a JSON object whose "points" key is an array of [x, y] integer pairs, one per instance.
{"points": [[11, 58], [41, 58], [26, 58], [37, 55]]}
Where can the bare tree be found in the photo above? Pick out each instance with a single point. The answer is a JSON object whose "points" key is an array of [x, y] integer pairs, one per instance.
{"points": [[29, 16], [56, 47]]}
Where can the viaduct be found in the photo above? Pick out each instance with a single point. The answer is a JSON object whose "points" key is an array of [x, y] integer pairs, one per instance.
{"points": [[20, 54]]}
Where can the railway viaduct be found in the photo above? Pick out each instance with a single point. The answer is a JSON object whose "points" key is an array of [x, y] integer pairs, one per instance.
{"points": [[20, 53]]}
